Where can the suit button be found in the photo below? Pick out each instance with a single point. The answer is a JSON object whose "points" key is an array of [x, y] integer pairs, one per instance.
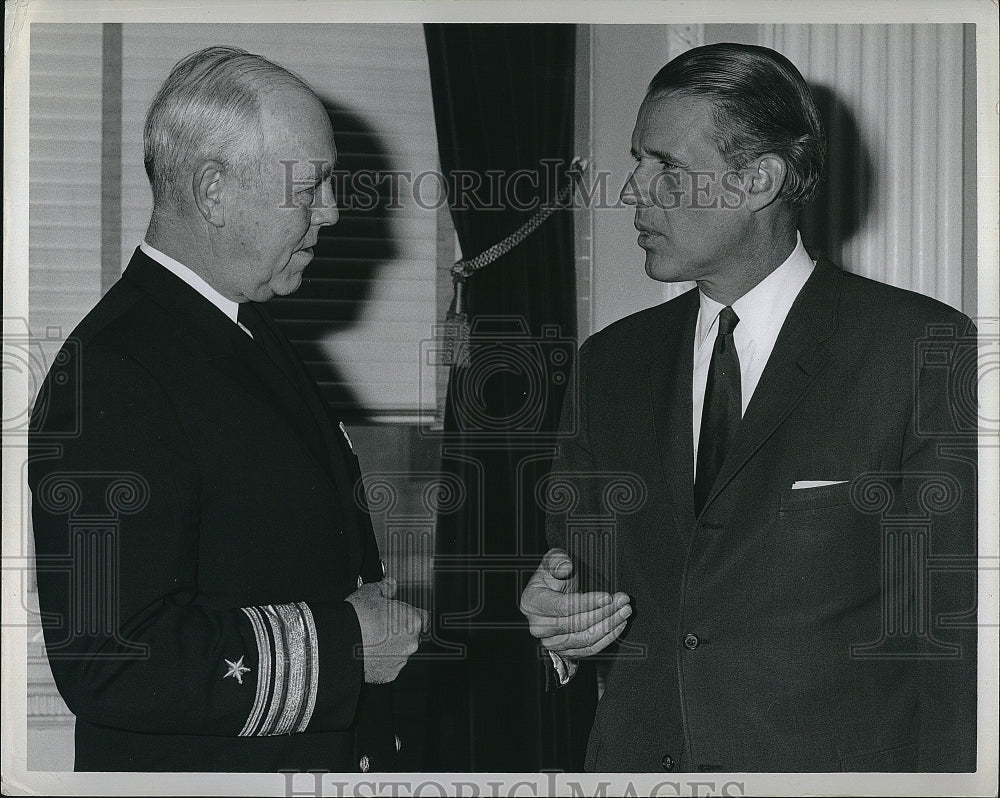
{"points": [[364, 764], [668, 762], [691, 641]]}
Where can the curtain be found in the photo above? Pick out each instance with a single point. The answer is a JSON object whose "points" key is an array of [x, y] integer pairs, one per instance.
{"points": [[503, 106]]}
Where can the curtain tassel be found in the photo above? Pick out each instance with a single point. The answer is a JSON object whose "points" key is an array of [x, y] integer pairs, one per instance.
{"points": [[456, 325]]}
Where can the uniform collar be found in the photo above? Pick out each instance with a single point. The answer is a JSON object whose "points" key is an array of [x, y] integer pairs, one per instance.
{"points": [[177, 268]]}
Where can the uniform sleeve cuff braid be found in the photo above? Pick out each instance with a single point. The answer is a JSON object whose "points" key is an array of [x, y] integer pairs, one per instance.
{"points": [[288, 669]]}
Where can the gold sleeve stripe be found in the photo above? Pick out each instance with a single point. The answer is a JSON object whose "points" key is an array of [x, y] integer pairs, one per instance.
{"points": [[312, 655], [288, 678], [265, 661], [280, 687], [290, 619]]}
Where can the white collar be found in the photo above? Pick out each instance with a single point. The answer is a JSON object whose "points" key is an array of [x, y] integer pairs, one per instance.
{"points": [[762, 309], [227, 306]]}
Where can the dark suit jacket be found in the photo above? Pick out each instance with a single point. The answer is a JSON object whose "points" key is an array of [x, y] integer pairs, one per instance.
{"points": [[780, 629], [193, 505]]}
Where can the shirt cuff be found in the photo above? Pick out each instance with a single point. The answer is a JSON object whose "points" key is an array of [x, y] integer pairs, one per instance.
{"points": [[565, 668]]}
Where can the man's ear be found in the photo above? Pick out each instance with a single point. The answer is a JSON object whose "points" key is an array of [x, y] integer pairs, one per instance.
{"points": [[207, 185], [766, 175]]}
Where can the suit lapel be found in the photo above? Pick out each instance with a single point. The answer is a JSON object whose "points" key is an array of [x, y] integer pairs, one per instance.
{"points": [[670, 379], [243, 361], [309, 393], [798, 358], [335, 452], [251, 368]]}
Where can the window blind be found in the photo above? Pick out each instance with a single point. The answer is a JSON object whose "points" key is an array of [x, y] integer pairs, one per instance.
{"points": [[64, 193]]}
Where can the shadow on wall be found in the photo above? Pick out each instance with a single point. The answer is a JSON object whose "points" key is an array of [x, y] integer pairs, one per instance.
{"points": [[348, 257], [844, 200]]}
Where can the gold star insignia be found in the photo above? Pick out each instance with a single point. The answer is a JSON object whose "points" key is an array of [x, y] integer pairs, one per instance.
{"points": [[236, 670]]}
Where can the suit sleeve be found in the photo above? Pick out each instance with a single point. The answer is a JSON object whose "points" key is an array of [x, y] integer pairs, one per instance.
{"points": [[115, 510], [940, 463], [570, 469], [577, 486], [573, 458]]}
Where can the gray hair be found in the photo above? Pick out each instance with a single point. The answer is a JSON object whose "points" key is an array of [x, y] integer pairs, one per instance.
{"points": [[208, 108]]}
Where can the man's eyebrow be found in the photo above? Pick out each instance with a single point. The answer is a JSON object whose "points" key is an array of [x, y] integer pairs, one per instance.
{"points": [[323, 175], [659, 155]]}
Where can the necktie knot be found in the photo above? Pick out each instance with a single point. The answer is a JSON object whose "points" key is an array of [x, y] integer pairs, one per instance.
{"points": [[727, 321]]}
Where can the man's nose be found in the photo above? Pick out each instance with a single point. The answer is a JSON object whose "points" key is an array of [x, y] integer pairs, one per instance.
{"points": [[632, 193], [325, 210]]}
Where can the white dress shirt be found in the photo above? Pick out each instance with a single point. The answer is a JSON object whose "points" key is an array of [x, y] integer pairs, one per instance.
{"points": [[227, 306], [762, 312]]}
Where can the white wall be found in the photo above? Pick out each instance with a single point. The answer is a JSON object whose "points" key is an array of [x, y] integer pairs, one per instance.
{"points": [[623, 59]]}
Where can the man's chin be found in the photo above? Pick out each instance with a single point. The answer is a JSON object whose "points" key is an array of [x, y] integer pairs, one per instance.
{"points": [[657, 268], [285, 285]]}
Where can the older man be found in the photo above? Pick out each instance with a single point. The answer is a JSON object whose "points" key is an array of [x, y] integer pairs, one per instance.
{"points": [[214, 594], [769, 595]]}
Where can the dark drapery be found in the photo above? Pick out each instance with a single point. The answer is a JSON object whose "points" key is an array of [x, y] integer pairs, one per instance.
{"points": [[503, 105]]}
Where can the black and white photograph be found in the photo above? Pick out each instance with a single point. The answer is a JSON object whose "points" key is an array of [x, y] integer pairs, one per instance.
{"points": [[477, 398]]}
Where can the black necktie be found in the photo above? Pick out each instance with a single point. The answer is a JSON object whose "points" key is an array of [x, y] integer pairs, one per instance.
{"points": [[723, 408]]}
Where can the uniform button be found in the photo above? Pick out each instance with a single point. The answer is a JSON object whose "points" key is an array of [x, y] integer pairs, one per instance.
{"points": [[399, 744], [360, 582], [691, 641], [668, 762], [364, 764]]}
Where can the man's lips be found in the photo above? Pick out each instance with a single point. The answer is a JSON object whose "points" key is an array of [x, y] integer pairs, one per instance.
{"points": [[645, 234]]}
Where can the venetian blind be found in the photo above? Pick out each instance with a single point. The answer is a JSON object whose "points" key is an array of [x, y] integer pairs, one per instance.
{"points": [[369, 296], [64, 199]]}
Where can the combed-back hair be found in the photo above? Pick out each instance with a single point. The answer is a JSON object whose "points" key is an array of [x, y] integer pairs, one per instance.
{"points": [[761, 103], [208, 108]]}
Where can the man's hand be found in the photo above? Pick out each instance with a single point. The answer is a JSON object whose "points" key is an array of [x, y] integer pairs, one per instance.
{"points": [[390, 630], [566, 622]]}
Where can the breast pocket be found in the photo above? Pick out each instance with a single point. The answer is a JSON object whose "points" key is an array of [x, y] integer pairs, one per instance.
{"points": [[827, 549], [816, 498]]}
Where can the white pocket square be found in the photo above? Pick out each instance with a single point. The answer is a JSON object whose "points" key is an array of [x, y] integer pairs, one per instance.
{"points": [[816, 483]]}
